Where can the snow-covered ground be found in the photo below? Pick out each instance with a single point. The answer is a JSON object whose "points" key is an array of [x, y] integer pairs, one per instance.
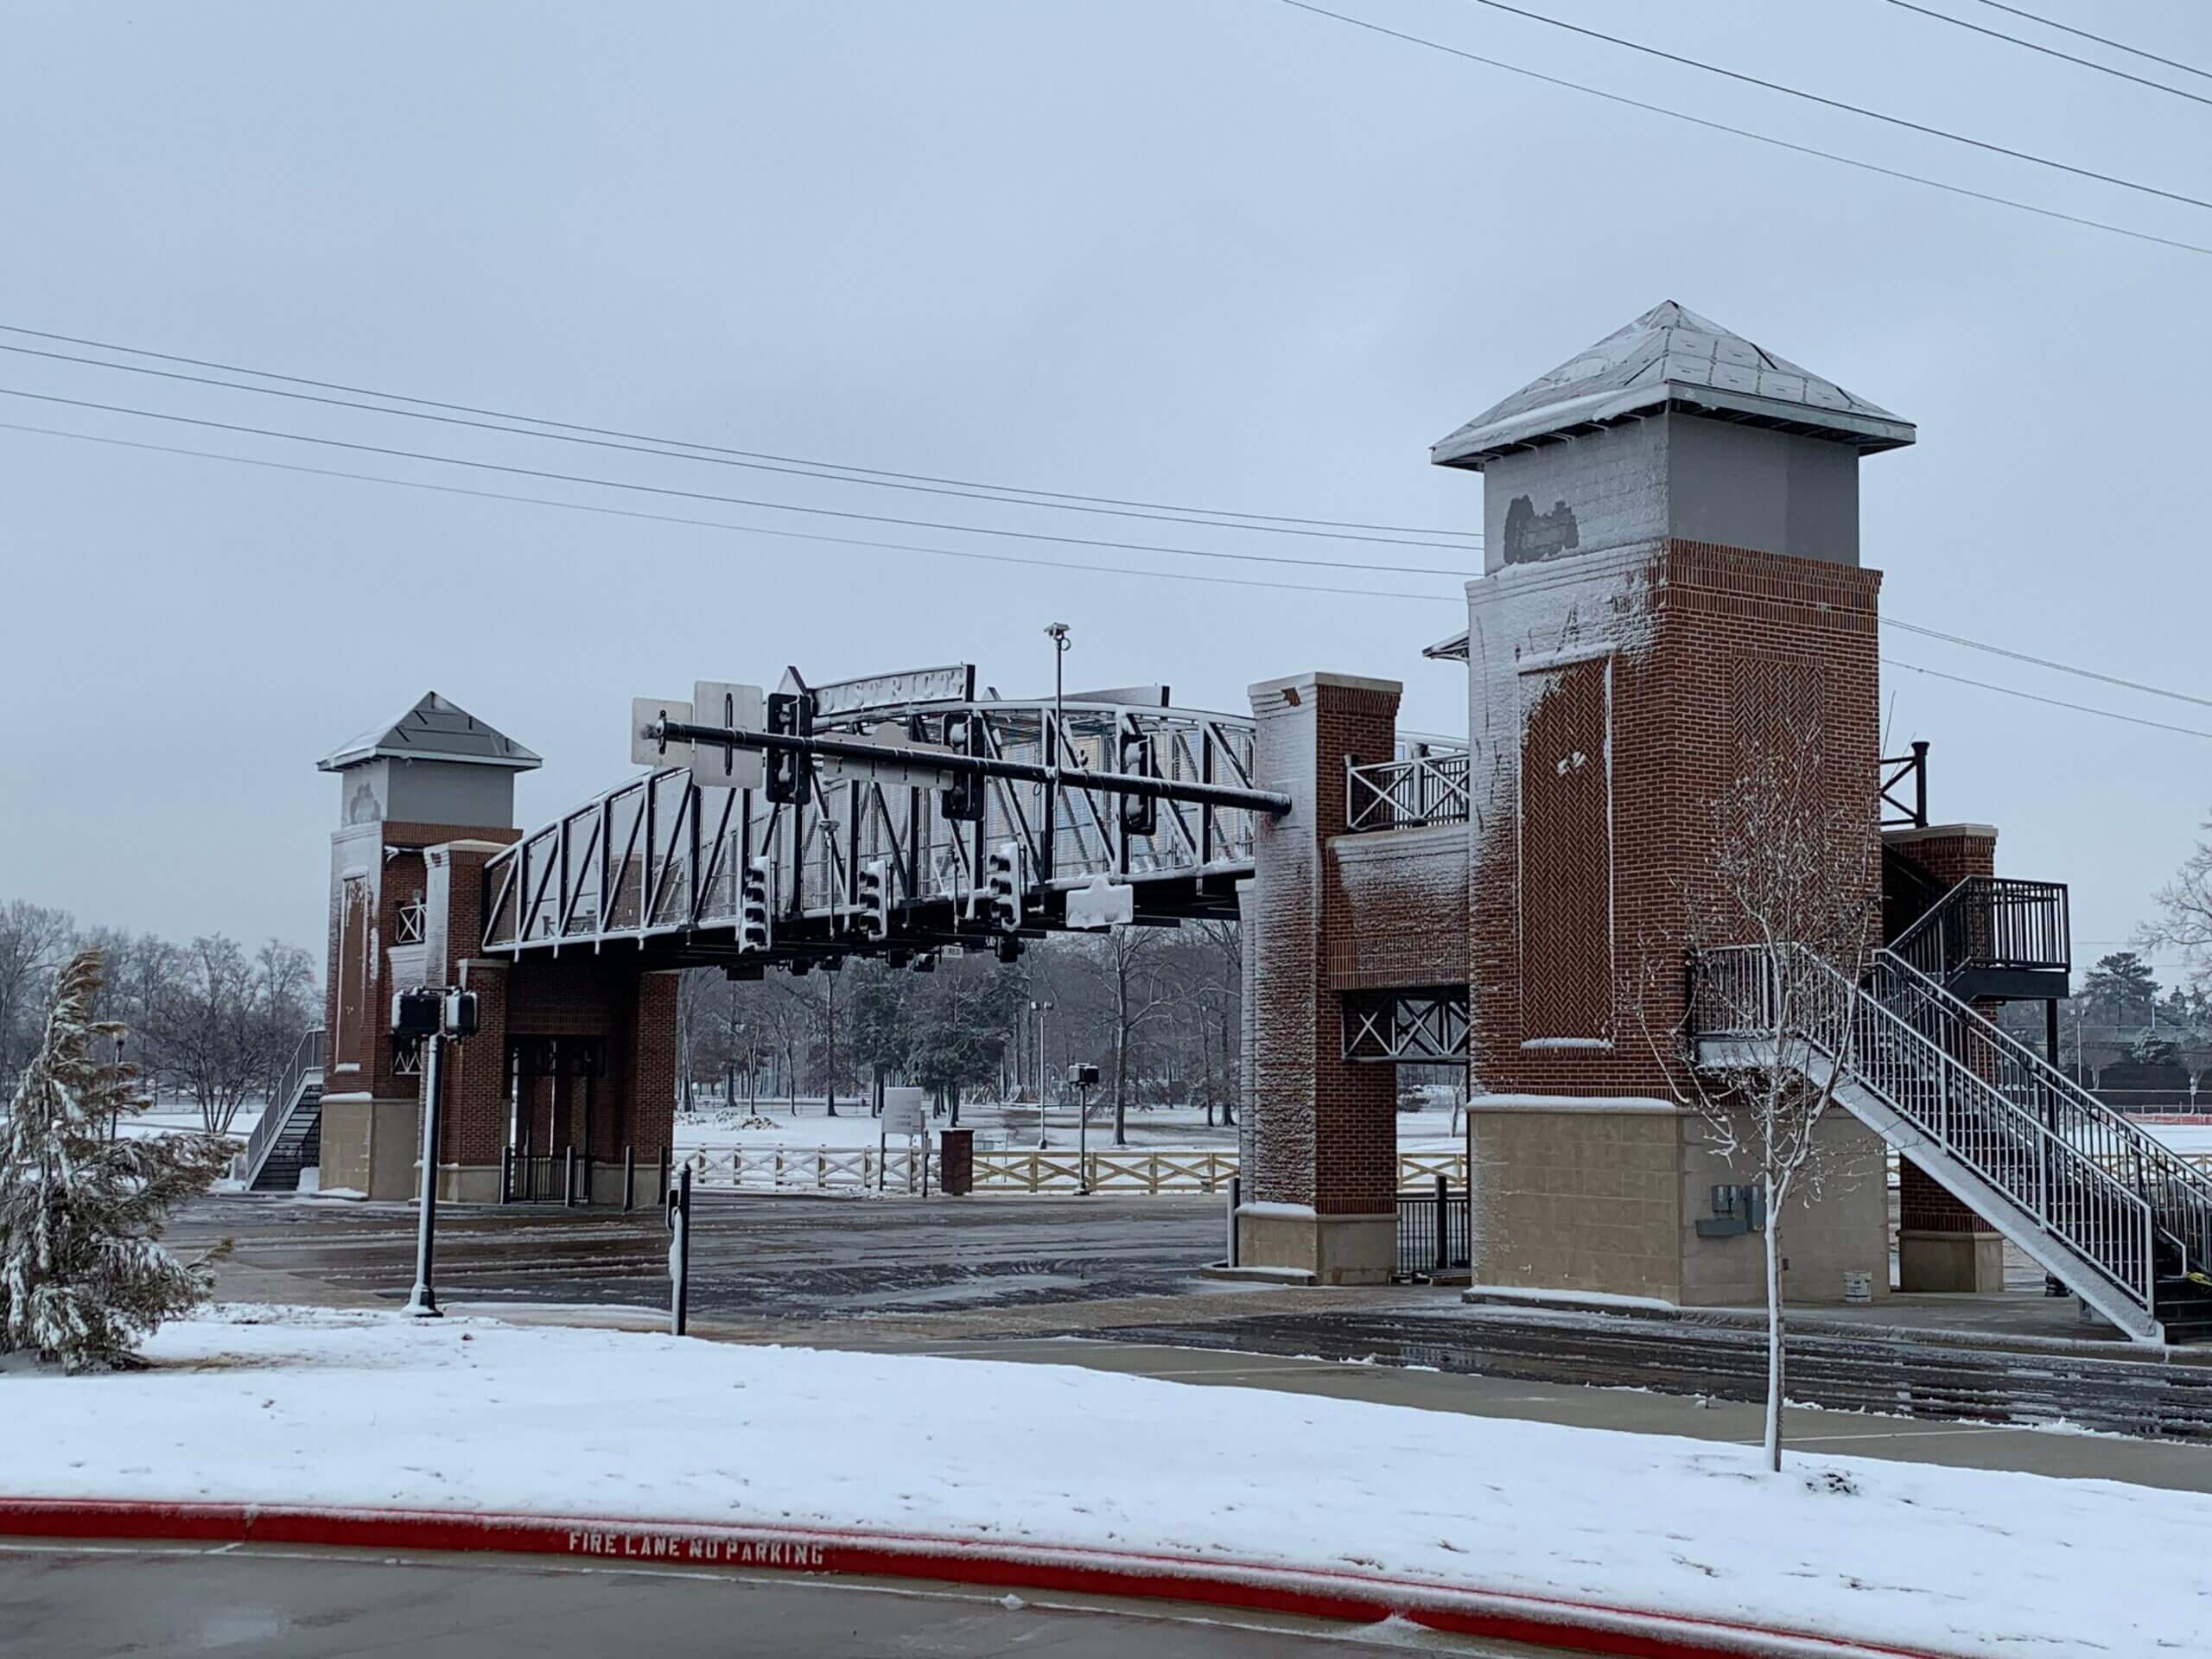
{"points": [[2193, 1138], [361, 1408]]}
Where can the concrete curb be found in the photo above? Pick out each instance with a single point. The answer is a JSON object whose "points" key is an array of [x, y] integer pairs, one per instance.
{"points": [[1345, 1596]]}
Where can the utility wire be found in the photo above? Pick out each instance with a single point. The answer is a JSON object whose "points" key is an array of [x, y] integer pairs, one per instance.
{"points": [[2054, 702], [708, 495], [759, 459], [2053, 52], [1758, 138], [713, 524], [1860, 109], [2045, 662], [988, 558], [2083, 34]]}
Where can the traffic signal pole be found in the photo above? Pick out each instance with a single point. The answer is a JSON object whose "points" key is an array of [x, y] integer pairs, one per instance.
{"points": [[1273, 802]]}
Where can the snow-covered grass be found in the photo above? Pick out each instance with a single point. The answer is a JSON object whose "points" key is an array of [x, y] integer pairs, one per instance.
{"points": [[369, 1408], [2196, 1138]]}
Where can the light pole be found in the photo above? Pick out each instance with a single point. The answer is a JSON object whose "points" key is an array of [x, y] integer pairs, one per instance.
{"points": [[1037, 1013], [1049, 829]]}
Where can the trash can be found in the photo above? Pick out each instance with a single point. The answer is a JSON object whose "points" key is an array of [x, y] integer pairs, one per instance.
{"points": [[956, 1162], [1858, 1288]]}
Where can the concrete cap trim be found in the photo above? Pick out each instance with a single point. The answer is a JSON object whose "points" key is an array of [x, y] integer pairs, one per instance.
{"points": [[1942, 832], [1316, 678], [1637, 1105]]}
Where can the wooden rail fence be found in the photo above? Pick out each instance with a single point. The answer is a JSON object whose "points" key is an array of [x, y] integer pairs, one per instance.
{"points": [[1125, 1169]]}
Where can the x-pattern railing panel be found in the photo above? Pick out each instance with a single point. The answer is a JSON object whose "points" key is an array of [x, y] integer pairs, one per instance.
{"points": [[1405, 794]]}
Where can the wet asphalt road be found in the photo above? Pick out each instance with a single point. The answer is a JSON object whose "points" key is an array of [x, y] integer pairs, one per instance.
{"points": [[70, 1602], [771, 1258]]}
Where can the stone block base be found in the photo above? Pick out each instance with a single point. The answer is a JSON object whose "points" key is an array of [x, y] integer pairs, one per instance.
{"points": [[369, 1146], [1950, 1262], [1334, 1249]]}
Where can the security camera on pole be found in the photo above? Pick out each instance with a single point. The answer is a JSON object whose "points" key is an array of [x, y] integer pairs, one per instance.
{"points": [[435, 1018]]}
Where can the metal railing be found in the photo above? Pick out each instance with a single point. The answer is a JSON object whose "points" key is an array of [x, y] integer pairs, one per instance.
{"points": [[1405, 794], [1904, 782], [1991, 921], [304, 1067], [1433, 1236], [412, 917], [2080, 1172]]}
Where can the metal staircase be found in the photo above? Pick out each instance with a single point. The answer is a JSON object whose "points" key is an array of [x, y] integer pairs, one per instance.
{"points": [[2105, 1207], [289, 1137]]}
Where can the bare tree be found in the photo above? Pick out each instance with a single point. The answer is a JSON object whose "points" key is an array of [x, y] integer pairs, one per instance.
{"points": [[1120, 964], [1793, 875], [34, 941], [223, 1024], [2185, 903]]}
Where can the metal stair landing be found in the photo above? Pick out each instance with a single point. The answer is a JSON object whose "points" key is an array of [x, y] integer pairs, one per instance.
{"points": [[2103, 1206]]}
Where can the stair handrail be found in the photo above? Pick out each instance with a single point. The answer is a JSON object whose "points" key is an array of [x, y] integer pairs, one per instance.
{"points": [[1928, 944], [2180, 1194], [2102, 1219], [305, 1066]]}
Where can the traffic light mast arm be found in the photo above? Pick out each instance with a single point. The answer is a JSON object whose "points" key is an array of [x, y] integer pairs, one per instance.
{"points": [[1271, 801]]}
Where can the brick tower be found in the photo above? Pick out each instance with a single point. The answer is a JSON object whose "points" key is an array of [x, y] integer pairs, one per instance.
{"points": [[1671, 577], [433, 785]]}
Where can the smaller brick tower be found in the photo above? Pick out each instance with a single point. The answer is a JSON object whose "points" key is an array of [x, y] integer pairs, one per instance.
{"points": [[430, 791]]}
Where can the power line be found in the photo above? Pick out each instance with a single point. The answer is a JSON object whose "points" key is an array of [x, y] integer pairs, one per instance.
{"points": [[2045, 662], [713, 524], [708, 495], [588, 480], [1622, 99], [2053, 52], [2083, 34], [2055, 702], [1860, 109], [759, 460]]}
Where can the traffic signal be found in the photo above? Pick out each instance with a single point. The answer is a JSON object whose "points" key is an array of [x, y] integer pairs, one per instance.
{"points": [[962, 800], [1002, 883], [790, 774], [1140, 813], [1009, 948], [753, 924], [873, 897]]}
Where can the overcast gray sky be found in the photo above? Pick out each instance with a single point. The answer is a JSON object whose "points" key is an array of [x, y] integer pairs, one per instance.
{"points": [[1215, 251]]}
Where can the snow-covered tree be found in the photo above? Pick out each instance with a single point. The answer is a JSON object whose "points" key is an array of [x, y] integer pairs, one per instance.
{"points": [[1795, 872], [83, 1274]]}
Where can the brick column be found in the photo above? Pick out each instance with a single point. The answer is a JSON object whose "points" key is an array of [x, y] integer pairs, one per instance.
{"points": [[1942, 1245], [648, 1116], [1320, 1184]]}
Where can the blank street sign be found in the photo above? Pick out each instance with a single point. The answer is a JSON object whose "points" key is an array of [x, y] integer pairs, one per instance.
{"points": [[719, 702]]}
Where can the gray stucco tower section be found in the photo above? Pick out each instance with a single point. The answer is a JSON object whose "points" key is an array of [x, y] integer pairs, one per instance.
{"points": [[1672, 427]]}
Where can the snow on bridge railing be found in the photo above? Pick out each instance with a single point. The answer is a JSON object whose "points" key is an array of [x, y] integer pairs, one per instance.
{"points": [[1425, 788]]}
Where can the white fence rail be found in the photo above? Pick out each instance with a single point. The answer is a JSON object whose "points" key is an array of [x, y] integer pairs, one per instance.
{"points": [[1128, 1170]]}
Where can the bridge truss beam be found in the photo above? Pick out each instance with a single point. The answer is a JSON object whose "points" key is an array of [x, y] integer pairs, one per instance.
{"points": [[659, 861]]}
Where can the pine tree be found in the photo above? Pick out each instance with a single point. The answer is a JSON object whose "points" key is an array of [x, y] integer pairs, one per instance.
{"points": [[83, 1274]]}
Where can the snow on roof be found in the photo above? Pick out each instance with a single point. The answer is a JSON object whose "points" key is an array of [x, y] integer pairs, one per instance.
{"points": [[434, 729], [1671, 355]]}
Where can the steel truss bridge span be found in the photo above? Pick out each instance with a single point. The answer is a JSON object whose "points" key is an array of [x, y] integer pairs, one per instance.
{"points": [[662, 858]]}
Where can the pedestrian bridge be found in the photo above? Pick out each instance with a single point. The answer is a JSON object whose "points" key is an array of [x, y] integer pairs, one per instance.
{"points": [[662, 857]]}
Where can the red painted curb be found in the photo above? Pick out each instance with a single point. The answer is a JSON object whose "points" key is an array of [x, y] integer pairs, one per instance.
{"points": [[1353, 1598]]}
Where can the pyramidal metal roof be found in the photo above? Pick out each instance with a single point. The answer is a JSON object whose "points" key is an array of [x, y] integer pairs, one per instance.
{"points": [[1671, 357], [434, 729]]}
